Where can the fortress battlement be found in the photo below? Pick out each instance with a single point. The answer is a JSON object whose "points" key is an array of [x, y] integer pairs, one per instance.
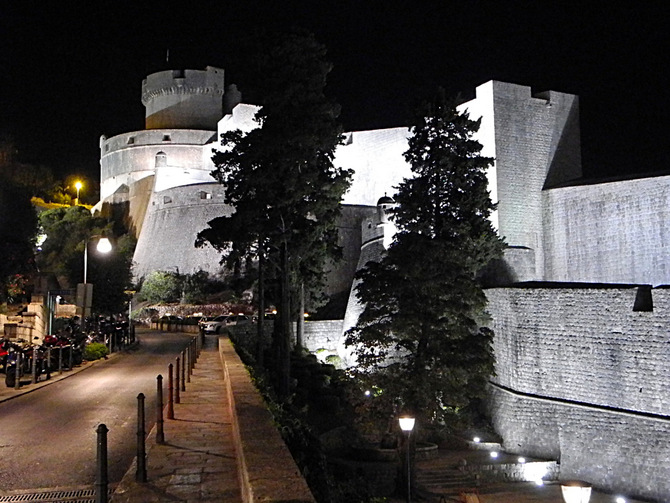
{"points": [[209, 81]]}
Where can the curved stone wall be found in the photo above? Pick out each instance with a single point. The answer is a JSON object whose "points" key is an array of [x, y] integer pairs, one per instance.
{"points": [[173, 220], [184, 99], [129, 157]]}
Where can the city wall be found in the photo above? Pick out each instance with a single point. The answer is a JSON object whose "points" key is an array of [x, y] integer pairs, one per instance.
{"points": [[173, 220], [616, 232], [581, 376]]}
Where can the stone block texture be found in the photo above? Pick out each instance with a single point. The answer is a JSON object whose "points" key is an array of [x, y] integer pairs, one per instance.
{"points": [[616, 232], [583, 378]]}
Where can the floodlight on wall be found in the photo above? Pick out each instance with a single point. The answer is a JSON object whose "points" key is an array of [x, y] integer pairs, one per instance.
{"points": [[576, 491]]}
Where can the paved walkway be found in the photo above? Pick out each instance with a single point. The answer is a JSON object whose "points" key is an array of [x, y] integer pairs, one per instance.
{"points": [[197, 462]]}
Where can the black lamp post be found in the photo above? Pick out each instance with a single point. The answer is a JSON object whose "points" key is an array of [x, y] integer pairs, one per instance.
{"points": [[407, 425]]}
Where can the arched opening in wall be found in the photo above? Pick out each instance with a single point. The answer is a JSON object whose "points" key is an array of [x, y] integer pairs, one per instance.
{"points": [[205, 195], [167, 137], [643, 299], [167, 199], [161, 159]]}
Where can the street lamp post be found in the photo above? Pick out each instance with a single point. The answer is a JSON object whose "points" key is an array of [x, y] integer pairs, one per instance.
{"points": [[407, 425], [103, 246], [77, 186]]}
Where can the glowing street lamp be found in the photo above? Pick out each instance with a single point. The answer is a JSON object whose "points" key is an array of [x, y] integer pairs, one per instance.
{"points": [[78, 185], [85, 295], [407, 425], [576, 491], [104, 246]]}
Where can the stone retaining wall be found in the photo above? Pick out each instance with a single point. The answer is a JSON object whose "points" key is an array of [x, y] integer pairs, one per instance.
{"points": [[266, 468]]}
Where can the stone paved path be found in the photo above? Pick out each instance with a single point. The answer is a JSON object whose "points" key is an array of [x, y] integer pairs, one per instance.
{"points": [[197, 462]]}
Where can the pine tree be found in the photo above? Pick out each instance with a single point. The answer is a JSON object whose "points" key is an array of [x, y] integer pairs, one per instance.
{"points": [[281, 180], [421, 338]]}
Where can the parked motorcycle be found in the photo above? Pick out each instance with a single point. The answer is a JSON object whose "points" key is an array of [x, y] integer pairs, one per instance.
{"points": [[14, 369]]}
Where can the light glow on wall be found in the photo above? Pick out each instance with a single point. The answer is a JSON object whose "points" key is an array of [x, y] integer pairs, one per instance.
{"points": [[535, 472]]}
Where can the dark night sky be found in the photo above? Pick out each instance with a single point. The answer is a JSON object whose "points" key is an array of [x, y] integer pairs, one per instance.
{"points": [[71, 74]]}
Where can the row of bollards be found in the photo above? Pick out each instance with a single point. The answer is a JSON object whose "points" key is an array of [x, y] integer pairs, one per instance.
{"points": [[186, 363]]}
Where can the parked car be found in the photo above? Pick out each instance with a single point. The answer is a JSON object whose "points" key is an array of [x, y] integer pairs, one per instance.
{"points": [[215, 325], [238, 319]]}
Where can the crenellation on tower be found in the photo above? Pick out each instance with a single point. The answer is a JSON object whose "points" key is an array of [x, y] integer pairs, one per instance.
{"points": [[184, 99]]}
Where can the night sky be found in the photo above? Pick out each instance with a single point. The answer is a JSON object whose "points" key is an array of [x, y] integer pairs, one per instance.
{"points": [[71, 74]]}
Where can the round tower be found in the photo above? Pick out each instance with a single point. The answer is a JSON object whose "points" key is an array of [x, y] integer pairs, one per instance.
{"points": [[184, 99]]}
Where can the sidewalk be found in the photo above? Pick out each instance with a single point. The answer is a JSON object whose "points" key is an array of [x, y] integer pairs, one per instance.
{"points": [[197, 462]]}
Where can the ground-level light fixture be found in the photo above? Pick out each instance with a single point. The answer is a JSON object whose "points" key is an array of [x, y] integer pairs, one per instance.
{"points": [[476, 440], [576, 491]]}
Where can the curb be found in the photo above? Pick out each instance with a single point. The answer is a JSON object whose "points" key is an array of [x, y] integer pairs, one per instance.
{"points": [[7, 394]]}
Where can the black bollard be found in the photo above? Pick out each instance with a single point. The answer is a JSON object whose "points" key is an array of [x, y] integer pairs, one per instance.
{"points": [[183, 370], [176, 388], [160, 436], [17, 370], [70, 366], [141, 473], [60, 360], [33, 380], [170, 407], [101, 480], [187, 363]]}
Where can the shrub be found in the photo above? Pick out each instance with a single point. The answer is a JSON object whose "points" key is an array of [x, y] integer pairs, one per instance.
{"points": [[95, 351]]}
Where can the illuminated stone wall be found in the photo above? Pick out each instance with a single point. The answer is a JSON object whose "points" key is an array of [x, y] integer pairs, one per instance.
{"points": [[183, 99], [535, 141], [617, 232], [589, 377], [173, 220], [129, 157]]}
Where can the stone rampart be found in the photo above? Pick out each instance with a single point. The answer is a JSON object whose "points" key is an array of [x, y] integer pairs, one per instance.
{"points": [[616, 451], [587, 369], [536, 145], [174, 218], [617, 232], [378, 163], [129, 157]]}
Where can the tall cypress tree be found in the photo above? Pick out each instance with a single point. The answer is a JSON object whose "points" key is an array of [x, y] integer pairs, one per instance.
{"points": [[281, 180], [420, 338]]}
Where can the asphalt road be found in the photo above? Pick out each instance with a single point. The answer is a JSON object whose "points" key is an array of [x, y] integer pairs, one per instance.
{"points": [[48, 437]]}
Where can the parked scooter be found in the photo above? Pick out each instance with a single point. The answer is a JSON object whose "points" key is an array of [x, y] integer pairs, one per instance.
{"points": [[14, 370]]}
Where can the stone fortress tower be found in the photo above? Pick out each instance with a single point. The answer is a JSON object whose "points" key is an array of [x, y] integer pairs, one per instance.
{"points": [[581, 313]]}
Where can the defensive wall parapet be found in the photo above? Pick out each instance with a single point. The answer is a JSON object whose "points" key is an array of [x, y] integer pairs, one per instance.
{"points": [[581, 376], [616, 232]]}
